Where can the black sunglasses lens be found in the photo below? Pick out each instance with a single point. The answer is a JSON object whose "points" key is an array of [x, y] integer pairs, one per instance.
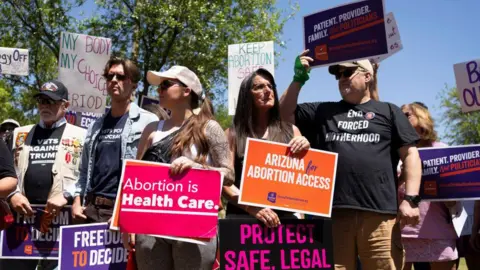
{"points": [[45, 101], [165, 85], [110, 77], [347, 73]]}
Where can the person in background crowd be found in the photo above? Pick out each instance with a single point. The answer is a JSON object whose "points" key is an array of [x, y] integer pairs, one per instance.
{"points": [[258, 116], [157, 110], [8, 184], [472, 251], [190, 138], [433, 239], [6, 131], [464, 247], [47, 158], [370, 137], [110, 139], [423, 265], [8, 177]]}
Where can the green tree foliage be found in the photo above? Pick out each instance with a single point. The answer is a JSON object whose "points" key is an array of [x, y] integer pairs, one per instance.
{"points": [[460, 128], [222, 117], [155, 33], [193, 33], [34, 25]]}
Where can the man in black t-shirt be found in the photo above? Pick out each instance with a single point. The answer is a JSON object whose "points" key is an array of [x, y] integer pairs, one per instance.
{"points": [[8, 177], [110, 139], [47, 157], [370, 138]]}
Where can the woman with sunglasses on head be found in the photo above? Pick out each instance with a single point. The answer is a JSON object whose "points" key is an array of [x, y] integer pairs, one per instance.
{"points": [[433, 240], [257, 116], [190, 138]]}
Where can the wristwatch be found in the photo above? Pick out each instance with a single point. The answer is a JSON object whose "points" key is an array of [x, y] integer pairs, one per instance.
{"points": [[414, 200]]}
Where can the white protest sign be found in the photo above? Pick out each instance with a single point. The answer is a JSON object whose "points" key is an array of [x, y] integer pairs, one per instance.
{"points": [[81, 62], [394, 42], [467, 75], [13, 61], [243, 59]]}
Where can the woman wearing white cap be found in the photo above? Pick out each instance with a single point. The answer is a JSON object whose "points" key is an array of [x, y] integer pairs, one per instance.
{"points": [[189, 139]]}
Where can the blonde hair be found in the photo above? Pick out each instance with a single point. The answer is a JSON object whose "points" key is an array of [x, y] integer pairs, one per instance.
{"points": [[426, 123]]}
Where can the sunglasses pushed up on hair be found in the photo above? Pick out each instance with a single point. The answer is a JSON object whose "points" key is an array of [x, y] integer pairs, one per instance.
{"points": [[120, 77], [347, 73]]}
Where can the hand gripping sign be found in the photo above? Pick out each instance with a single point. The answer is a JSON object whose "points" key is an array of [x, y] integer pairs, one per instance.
{"points": [[150, 201], [273, 178], [91, 246]]}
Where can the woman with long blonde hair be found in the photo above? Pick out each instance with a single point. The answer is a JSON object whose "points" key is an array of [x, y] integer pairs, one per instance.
{"points": [[433, 240]]}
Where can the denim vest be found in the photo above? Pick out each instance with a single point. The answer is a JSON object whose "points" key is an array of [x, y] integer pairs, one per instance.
{"points": [[137, 120]]}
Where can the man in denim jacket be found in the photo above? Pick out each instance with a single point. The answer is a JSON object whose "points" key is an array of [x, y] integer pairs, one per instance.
{"points": [[109, 141]]}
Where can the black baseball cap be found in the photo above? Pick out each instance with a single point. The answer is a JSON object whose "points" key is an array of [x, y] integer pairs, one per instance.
{"points": [[53, 89]]}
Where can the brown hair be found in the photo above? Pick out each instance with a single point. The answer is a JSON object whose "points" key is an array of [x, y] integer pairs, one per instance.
{"points": [[129, 68], [426, 123], [192, 133], [373, 85]]}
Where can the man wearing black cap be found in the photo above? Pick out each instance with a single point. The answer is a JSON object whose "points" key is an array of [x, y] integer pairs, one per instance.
{"points": [[370, 138], [47, 157]]}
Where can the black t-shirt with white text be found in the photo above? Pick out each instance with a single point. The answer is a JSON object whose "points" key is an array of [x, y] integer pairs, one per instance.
{"points": [[107, 166], [367, 138], [38, 178]]}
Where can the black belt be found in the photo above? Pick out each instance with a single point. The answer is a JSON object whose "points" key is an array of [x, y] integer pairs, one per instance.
{"points": [[100, 200]]}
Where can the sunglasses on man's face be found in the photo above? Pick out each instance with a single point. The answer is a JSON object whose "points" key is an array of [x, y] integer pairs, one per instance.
{"points": [[120, 77], [347, 73], [46, 101], [164, 85]]}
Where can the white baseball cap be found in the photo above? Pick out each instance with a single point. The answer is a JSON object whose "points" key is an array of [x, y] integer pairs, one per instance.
{"points": [[10, 121], [181, 73], [364, 64]]}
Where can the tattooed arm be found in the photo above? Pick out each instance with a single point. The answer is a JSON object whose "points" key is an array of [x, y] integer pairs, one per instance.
{"points": [[219, 151]]}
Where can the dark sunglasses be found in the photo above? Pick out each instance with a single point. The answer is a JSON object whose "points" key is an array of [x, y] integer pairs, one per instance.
{"points": [[164, 85], [46, 101], [110, 76], [347, 73]]}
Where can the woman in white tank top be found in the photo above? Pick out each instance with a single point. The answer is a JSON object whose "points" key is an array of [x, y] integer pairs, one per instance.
{"points": [[189, 139]]}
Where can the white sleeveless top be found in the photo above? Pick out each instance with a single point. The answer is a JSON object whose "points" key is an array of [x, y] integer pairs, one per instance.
{"points": [[160, 134]]}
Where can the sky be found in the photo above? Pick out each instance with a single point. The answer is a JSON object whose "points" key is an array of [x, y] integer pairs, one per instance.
{"points": [[436, 34]]}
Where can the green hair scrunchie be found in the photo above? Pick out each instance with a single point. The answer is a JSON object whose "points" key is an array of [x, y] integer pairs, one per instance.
{"points": [[301, 73]]}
